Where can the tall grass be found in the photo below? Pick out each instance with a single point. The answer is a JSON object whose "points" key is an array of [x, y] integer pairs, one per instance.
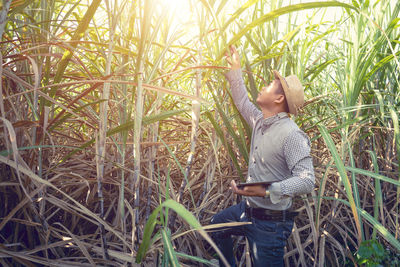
{"points": [[119, 135]]}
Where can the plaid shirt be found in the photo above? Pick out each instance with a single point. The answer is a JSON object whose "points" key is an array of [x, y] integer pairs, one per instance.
{"points": [[279, 151]]}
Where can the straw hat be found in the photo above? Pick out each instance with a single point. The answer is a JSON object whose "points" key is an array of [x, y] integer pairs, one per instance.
{"points": [[294, 91]]}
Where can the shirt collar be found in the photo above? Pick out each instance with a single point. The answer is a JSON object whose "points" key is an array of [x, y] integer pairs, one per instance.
{"points": [[270, 120]]}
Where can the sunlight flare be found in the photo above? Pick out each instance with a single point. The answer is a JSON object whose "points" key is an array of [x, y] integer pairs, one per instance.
{"points": [[181, 10]]}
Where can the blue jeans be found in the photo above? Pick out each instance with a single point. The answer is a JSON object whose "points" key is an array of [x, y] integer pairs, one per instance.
{"points": [[267, 239]]}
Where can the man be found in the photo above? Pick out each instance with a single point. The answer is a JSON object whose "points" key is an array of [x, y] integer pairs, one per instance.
{"points": [[279, 153]]}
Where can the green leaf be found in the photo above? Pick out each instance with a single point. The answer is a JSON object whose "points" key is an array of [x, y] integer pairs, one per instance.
{"points": [[384, 231], [237, 13], [78, 34], [242, 147], [125, 127], [221, 136], [365, 251], [193, 258], [318, 69], [342, 171], [147, 232], [373, 175], [180, 168], [279, 12], [168, 248], [182, 212], [382, 63], [59, 121], [146, 121], [378, 203]]}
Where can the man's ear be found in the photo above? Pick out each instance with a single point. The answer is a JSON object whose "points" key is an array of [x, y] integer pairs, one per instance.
{"points": [[279, 99]]}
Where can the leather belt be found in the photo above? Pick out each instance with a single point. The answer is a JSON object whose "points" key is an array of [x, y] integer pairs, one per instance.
{"points": [[270, 215]]}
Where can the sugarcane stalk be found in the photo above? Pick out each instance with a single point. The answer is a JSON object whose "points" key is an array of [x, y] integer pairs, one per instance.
{"points": [[123, 136], [3, 16], [152, 157], [3, 20], [210, 172], [193, 139], [136, 146], [101, 144], [137, 98], [194, 133], [100, 152]]}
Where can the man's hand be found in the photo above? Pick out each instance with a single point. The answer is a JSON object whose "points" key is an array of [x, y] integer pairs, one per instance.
{"points": [[233, 58], [251, 190]]}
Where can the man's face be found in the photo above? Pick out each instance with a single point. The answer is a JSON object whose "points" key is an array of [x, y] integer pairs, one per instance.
{"points": [[268, 94]]}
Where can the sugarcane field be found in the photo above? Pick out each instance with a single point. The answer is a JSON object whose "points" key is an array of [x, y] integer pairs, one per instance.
{"points": [[200, 133]]}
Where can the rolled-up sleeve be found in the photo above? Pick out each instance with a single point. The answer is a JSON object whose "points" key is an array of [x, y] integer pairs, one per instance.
{"points": [[297, 154]]}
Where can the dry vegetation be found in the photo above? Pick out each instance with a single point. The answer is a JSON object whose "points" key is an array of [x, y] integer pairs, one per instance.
{"points": [[114, 121]]}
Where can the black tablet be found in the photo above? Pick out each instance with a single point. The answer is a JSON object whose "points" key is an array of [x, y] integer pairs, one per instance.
{"points": [[265, 184]]}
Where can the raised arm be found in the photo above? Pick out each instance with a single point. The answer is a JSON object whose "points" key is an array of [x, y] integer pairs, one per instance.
{"points": [[239, 93]]}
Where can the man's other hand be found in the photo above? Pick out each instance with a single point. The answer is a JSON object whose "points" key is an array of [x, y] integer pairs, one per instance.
{"points": [[233, 58], [251, 190]]}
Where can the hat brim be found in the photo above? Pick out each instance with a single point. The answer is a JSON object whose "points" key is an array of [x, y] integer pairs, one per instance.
{"points": [[286, 90]]}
